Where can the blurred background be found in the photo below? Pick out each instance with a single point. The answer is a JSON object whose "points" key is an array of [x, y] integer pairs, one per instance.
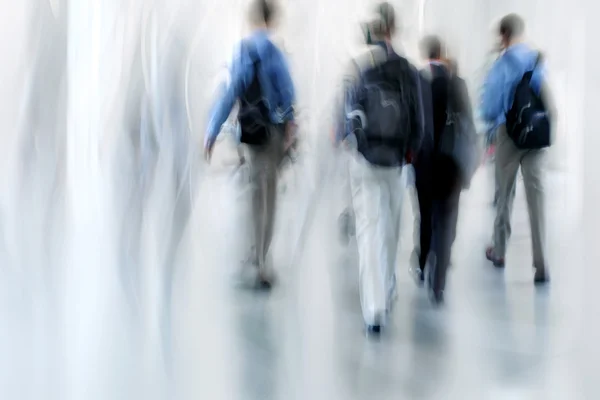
{"points": [[117, 240]]}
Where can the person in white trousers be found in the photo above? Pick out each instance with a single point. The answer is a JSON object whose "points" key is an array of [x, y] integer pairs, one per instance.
{"points": [[376, 167]]}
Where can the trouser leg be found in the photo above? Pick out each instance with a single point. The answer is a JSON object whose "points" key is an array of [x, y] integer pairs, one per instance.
{"points": [[376, 210], [414, 202], [263, 164], [424, 195], [366, 198], [507, 164], [396, 196], [258, 206], [496, 182], [270, 210], [445, 217], [532, 169], [424, 186]]}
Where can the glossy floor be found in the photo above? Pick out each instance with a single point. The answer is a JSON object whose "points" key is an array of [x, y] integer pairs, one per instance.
{"points": [[497, 336]]}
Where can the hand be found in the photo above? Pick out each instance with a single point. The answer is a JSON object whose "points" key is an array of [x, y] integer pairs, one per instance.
{"points": [[291, 138], [335, 143]]}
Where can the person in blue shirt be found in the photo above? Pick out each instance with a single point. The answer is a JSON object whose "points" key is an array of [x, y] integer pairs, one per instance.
{"points": [[497, 99], [258, 57], [275, 80]]}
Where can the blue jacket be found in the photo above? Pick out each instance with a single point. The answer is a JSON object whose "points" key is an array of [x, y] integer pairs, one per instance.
{"points": [[275, 80], [502, 80]]}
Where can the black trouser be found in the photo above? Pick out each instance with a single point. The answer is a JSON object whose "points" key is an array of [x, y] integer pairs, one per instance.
{"points": [[438, 190], [424, 184]]}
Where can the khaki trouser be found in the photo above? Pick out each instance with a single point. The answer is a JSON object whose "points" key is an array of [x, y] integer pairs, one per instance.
{"points": [[377, 200], [508, 160], [263, 163]]}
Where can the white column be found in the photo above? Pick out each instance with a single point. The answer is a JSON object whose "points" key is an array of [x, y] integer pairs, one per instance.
{"points": [[591, 122], [89, 266]]}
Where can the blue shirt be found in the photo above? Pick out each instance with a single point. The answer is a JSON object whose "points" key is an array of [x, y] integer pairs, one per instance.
{"points": [[275, 80], [502, 80]]}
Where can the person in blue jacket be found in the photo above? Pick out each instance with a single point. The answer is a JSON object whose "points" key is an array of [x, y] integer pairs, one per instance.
{"points": [[258, 58], [497, 99]]}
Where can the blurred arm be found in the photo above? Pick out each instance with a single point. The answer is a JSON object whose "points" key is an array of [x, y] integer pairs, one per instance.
{"points": [[242, 73], [348, 116], [492, 98], [285, 86]]}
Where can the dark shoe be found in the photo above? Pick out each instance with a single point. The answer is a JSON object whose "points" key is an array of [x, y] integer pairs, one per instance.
{"points": [[436, 297], [378, 323], [265, 280], [489, 254], [264, 284], [541, 276]]}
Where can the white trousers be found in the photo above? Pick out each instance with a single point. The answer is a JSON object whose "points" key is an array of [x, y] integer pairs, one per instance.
{"points": [[377, 202]]}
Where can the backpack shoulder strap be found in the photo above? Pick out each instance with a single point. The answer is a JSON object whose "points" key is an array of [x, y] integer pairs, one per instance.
{"points": [[249, 46], [538, 60], [372, 57], [515, 62]]}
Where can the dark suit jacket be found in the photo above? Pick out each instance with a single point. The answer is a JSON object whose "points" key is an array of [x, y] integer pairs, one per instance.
{"points": [[433, 169]]}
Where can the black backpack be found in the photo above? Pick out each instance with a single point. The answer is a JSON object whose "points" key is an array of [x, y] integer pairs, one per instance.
{"points": [[253, 115], [528, 120], [386, 110]]}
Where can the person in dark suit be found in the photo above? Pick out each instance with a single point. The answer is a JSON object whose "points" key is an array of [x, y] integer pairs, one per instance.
{"points": [[423, 176], [437, 177]]}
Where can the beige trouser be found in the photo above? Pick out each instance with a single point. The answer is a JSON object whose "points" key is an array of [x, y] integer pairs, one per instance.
{"points": [[508, 160], [263, 163], [377, 200]]}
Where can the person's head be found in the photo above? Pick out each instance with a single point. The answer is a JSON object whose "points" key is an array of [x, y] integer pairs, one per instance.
{"points": [[510, 29], [383, 26], [263, 13], [431, 47]]}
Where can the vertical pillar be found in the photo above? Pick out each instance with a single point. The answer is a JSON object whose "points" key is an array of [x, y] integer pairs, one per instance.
{"points": [[88, 269], [591, 138], [590, 251]]}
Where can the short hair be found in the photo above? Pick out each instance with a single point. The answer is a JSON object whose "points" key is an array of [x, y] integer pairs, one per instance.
{"points": [[511, 26], [431, 46], [385, 23], [263, 11]]}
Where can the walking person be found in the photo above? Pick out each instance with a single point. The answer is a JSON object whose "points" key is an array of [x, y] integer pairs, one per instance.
{"points": [[381, 112], [515, 94], [261, 81], [451, 164]]}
